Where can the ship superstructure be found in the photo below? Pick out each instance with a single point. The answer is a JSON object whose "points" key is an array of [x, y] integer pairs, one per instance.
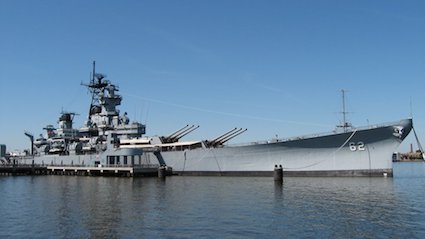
{"points": [[97, 143]]}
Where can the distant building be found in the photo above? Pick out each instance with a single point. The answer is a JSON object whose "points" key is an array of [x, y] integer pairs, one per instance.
{"points": [[2, 151]]}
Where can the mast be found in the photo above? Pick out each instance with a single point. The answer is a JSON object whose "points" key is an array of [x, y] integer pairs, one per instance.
{"points": [[345, 124], [94, 71], [344, 113], [95, 88], [92, 83]]}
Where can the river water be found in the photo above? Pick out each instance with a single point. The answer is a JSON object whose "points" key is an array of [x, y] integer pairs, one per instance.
{"points": [[214, 207]]}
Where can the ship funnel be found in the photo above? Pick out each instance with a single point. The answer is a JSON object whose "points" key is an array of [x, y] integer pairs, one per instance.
{"points": [[31, 137]]}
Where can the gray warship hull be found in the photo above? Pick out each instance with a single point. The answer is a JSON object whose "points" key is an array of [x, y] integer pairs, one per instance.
{"points": [[358, 152], [109, 139]]}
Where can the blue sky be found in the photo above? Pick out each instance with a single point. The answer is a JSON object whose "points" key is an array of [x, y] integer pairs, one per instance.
{"points": [[274, 67]]}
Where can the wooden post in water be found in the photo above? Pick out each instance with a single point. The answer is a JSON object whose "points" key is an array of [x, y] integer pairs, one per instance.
{"points": [[161, 172], [278, 173]]}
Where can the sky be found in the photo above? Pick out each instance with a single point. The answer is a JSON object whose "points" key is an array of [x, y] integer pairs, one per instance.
{"points": [[274, 67]]}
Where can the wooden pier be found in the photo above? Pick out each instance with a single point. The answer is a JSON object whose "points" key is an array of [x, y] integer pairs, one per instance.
{"points": [[145, 171], [103, 171], [14, 169]]}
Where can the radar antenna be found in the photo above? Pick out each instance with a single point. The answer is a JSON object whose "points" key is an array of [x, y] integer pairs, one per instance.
{"points": [[96, 86]]}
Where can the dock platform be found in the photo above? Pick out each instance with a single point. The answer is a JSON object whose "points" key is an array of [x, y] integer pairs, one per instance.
{"points": [[14, 169], [103, 171], [81, 170]]}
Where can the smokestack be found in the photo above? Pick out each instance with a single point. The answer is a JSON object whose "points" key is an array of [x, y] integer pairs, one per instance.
{"points": [[32, 142]]}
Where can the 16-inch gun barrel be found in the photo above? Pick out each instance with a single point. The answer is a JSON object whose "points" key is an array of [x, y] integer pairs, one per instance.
{"points": [[231, 136], [177, 132], [174, 137], [225, 137]]}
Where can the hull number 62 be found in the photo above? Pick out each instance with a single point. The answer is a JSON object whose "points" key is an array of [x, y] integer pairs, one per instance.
{"points": [[356, 147]]}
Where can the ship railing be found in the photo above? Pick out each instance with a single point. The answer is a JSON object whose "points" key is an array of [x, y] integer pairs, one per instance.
{"points": [[350, 130], [275, 140], [9, 165], [79, 165]]}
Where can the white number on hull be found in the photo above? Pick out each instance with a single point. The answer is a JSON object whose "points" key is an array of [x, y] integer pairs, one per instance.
{"points": [[360, 146]]}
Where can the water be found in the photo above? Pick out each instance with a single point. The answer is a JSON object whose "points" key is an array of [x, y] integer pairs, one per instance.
{"points": [[214, 207]]}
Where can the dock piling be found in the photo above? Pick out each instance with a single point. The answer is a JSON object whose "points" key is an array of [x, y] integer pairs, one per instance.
{"points": [[278, 173], [161, 172]]}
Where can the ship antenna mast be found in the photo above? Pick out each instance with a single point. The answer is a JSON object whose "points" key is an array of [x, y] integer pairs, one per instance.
{"points": [[95, 88], [92, 83], [344, 113], [94, 71]]}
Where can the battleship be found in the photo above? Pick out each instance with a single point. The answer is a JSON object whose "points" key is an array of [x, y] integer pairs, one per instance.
{"points": [[109, 139]]}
